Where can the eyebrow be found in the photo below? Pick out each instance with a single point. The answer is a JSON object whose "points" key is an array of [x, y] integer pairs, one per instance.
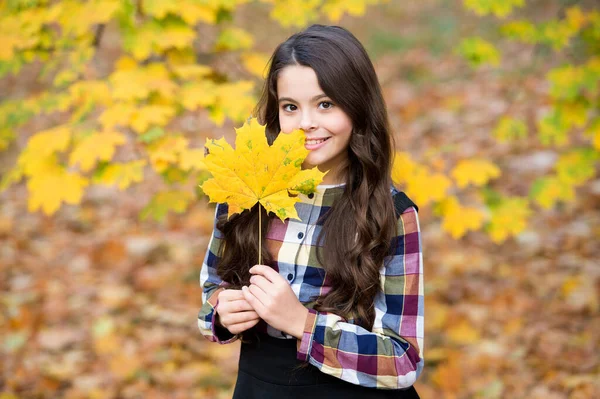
{"points": [[315, 98]]}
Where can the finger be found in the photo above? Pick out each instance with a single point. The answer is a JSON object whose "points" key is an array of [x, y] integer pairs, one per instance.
{"points": [[237, 318], [259, 294], [238, 328], [261, 282], [239, 305], [231, 295], [268, 272], [253, 300]]}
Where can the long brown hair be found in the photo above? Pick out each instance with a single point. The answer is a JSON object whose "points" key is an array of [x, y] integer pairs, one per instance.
{"points": [[356, 249]]}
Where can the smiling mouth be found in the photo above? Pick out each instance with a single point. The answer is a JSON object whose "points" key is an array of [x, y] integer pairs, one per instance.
{"points": [[315, 141]]}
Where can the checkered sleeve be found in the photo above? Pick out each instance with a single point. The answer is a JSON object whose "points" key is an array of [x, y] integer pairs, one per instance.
{"points": [[390, 356], [211, 285]]}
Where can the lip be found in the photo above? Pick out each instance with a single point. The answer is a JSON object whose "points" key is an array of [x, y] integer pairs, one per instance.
{"points": [[312, 147]]}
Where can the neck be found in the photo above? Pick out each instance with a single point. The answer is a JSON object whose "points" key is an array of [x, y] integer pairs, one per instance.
{"points": [[333, 176]]}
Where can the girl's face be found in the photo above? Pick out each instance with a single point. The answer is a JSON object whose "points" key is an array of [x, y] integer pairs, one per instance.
{"points": [[303, 105]]}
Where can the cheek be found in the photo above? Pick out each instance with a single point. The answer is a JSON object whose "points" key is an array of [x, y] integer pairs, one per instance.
{"points": [[341, 126]]}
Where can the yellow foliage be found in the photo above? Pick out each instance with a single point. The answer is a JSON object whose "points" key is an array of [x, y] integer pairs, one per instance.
{"points": [[198, 94], [547, 191], [41, 149], [191, 71], [573, 114], [155, 37], [478, 52], [137, 84], [150, 115], [166, 151], [334, 9], [509, 129], [500, 8], [233, 100], [474, 171], [234, 39], [90, 90], [463, 333], [191, 159], [119, 114], [402, 167], [256, 172], [96, 147], [508, 218], [256, 63], [122, 174], [77, 18], [459, 219], [297, 13], [577, 166], [524, 31], [575, 18], [51, 185], [189, 10], [165, 201], [594, 133], [425, 187]]}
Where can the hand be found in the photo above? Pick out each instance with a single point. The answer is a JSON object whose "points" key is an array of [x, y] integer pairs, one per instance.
{"points": [[235, 313], [274, 301]]}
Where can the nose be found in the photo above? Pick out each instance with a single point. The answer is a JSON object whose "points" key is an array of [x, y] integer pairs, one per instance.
{"points": [[308, 123]]}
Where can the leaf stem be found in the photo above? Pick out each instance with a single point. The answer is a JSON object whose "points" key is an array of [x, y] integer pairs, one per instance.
{"points": [[259, 234]]}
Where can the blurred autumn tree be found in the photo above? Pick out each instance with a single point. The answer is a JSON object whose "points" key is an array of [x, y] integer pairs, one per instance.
{"points": [[161, 75], [570, 124]]}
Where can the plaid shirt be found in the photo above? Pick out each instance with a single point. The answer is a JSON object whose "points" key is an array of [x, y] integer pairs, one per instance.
{"points": [[391, 354]]}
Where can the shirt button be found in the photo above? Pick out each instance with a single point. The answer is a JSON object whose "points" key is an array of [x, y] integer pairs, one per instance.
{"points": [[300, 235], [290, 276], [311, 195]]}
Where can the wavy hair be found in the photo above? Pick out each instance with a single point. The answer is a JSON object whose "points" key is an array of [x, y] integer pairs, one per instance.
{"points": [[353, 248]]}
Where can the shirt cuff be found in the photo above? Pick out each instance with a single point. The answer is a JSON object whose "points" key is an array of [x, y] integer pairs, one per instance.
{"points": [[304, 345], [221, 334]]}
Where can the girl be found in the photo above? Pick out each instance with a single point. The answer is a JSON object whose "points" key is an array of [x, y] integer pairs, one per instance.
{"points": [[337, 307]]}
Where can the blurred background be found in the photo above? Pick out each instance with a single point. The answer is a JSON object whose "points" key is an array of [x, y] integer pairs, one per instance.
{"points": [[105, 107]]}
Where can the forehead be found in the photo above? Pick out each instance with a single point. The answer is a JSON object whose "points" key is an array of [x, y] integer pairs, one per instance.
{"points": [[298, 82]]}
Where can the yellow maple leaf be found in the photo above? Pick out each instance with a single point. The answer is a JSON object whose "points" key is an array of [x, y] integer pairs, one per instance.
{"points": [[97, 146], [475, 171], [403, 167], [459, 219], [295, 12], [41, 148], [425, 187], [52, 185], [256, 63], [122, 174], [508, 218], [256, 172], [234, 100], [192, 159], [547, 191], [463, 333], [194, 12], [149, 115], [198, 94], [334, 9], [234, 38], [137, 83], [166, 151]]}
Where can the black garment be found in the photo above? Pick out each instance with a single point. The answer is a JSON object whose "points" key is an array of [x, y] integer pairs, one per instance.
{"points": [[267, 370]]}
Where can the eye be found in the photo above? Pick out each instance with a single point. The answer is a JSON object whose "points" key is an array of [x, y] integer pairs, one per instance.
{"points": [[286, 105], [329, 104]]}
